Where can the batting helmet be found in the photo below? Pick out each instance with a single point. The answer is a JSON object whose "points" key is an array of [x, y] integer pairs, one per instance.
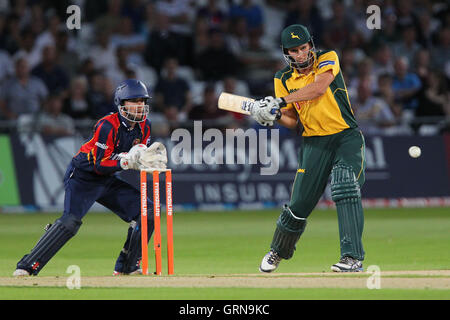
{"points": [[128, 90], [293, 36]]}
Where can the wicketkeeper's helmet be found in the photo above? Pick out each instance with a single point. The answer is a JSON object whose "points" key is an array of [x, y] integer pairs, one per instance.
{"points": [[132, 89], [293, 36]]}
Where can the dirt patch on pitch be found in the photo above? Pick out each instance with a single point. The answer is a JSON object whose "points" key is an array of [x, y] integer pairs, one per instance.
{"points": [[432, 279]]}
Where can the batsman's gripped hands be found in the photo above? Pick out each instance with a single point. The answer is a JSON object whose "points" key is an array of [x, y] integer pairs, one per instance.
{"points": [[267, 110]]}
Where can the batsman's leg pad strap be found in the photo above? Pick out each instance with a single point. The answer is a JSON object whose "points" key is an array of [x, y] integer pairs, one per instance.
{"points": [[346, 194], [49, 244], [287, 233]]}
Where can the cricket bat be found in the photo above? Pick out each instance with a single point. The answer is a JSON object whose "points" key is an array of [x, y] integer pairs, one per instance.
{"points": [[235, 103], [239, 104]]}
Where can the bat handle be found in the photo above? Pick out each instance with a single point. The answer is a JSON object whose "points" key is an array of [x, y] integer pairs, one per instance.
{"points": [[277, 112]]}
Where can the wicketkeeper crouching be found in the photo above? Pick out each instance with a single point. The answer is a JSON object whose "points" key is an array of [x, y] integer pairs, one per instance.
{"points": [[120, 141]]}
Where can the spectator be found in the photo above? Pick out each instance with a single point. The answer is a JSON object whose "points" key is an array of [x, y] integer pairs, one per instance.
{"points": [[3, 36], [200, 39], [428, 27], [21, 94], [96, 95], [238, 37], [49, 71], [208, 110], [76, 104], [52, 122], [27, 48], [337, 28], [388, 33], [406, 85], [383, 60], [67, 56], [440, 53], [214, 16], [12, 34], [348, 64], [163, 42], [6, 66], [365, 72], [422, 64], [405, 15], [180, 14], [216, 62], [134, 43], [103, 53], [49, 36], [408, 46], [110, 21], [258, 65], [117, 73], [386, 93], [372, 113], [251, 12], [305, 12], [108, 105], [172, 94], [434, 97], [135, 10]]}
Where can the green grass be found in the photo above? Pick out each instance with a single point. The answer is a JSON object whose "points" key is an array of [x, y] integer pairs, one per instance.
{"points": [[233, 242], [11, 293]]}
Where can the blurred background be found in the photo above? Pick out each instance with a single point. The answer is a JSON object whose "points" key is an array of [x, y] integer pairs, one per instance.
{"points": [[56, 82]]}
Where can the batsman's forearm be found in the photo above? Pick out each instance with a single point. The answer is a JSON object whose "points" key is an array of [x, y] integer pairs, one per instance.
{"points": [[288, 119], [309, 92]]}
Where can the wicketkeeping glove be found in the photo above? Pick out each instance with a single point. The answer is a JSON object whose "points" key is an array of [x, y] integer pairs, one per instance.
{"points": [[154, 157], [131, 159]]}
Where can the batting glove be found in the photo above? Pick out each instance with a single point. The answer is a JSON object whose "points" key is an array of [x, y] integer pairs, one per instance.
{"points": [[266, 111]]}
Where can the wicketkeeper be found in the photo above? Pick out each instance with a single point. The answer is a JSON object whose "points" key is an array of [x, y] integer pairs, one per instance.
{"points": [[120, 141], [311, 90]]}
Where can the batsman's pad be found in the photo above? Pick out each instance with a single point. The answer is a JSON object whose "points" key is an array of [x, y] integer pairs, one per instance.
{"points": [[287, 233], [345, 192], [131, 253], [48, 245]]}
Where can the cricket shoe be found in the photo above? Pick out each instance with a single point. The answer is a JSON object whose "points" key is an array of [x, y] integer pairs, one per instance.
{"points": [[270, 262], [347, 264], [21, 273], [135, 272]]}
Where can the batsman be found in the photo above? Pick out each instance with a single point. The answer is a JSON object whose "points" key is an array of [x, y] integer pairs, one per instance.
{"points": [[311, 90], [120, 141]]}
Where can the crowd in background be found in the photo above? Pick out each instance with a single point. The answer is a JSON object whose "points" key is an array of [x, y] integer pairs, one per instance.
{"points": [[53, 79]]}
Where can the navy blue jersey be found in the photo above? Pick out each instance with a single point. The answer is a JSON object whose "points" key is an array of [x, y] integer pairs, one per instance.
{"points": [[112, 136]]}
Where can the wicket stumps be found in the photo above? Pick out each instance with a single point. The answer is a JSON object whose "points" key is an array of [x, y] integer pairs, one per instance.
{"points": [[157, 221]]}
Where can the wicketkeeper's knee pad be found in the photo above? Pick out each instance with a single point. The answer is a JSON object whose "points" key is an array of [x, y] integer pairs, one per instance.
{"points": [[287, 233], [345, 192], [48, 245]]}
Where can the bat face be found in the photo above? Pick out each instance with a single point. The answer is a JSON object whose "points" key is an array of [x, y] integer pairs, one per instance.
{"points": [[234, 103]]}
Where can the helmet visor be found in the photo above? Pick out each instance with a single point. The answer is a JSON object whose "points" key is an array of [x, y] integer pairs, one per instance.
{"points": [[134, 112], [291, 61]]}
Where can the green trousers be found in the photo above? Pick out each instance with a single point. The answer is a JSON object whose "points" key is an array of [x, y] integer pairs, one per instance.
{"points": [[321, 157]]}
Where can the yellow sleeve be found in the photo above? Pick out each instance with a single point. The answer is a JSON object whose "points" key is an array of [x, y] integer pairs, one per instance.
{"points": [[328, 61], [280, 91]]}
